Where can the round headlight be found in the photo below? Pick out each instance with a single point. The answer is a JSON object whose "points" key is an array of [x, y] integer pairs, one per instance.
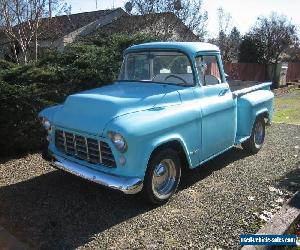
{"points": [[119, 141], [46, 124]]}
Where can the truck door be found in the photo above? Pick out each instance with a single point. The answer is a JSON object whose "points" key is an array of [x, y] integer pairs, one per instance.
{"points": [[217, 107]]}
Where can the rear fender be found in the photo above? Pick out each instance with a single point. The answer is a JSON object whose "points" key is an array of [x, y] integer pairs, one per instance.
{"points": [[249, 107]]}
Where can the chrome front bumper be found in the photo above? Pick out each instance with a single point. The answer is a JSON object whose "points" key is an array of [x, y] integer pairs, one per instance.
{"points": [[124, 184]]}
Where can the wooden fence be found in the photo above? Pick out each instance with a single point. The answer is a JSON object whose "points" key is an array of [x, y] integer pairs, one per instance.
{"points": [[246, 71], [259, 72], [293, 73]]}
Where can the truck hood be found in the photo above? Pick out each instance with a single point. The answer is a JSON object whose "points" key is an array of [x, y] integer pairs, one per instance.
{"points": [[91, 110]]}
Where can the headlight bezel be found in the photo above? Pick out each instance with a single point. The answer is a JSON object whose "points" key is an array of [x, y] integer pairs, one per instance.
{"points": [[118, 141], [48, 127], [46, 124]]}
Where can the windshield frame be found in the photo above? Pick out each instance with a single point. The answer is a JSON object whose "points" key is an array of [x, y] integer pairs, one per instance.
{"points": [[137, 51]]}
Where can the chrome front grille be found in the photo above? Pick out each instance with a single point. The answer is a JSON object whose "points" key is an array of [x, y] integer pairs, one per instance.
{"points": [[84, 148]]}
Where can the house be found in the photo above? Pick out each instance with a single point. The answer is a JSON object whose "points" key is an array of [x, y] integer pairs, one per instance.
{"points": [[57, 32], [166, 26]]}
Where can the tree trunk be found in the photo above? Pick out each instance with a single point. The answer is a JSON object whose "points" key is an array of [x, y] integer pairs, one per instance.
{"points": [[15, 53], [275, 83], [24, 55], [35, 47], [50, 8], [25, 58]]}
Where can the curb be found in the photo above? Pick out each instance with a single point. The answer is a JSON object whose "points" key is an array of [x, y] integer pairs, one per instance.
{"points": [[9, 242], [281, 221]]}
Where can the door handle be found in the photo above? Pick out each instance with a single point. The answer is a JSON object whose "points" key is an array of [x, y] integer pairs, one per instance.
{"points": [[223, 92]]}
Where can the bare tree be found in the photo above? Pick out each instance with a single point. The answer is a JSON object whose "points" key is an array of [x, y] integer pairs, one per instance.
{"points": [[275, 34], [21, 24], [224, 21], [229, 38], [57, 7], [50, 8], [189, 11]]}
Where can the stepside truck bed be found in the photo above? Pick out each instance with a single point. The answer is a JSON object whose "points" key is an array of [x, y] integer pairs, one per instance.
{"points": [[252, 102]]}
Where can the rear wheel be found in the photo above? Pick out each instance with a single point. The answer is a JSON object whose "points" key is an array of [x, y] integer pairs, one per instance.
{"points": [[162, 176], [257, 138]]}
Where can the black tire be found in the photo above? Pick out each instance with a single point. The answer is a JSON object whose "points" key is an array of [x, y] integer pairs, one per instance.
{"points": [[159, 157], [253, 144]]}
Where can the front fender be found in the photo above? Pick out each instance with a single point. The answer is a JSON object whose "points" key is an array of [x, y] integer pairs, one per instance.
{"points": [[145, 131], [49, 112], [161, 140]]}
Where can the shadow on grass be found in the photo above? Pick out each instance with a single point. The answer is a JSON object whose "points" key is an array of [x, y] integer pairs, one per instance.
{"points": [[60, 211]]}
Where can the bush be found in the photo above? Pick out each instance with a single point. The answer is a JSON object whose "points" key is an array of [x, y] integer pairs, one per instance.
{"points": [[20, 129], [6, 65], [29, 74], [27, 89]]}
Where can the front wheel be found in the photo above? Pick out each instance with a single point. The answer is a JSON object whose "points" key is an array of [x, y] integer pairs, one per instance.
{"points": [[162, 176], [257, 138]]}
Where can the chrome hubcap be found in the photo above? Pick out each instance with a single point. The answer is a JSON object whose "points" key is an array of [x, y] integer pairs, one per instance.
{"points": [[164, 179], [258, 133]]}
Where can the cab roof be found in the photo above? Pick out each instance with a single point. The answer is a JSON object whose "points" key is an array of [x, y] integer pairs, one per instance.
{"points": [[190, 48]]}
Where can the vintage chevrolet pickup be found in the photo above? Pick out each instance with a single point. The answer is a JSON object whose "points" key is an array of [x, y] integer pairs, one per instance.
{"points": [[170, 108]]}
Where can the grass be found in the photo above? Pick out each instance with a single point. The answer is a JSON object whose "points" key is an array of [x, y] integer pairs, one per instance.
{"points": [[287, 107]]}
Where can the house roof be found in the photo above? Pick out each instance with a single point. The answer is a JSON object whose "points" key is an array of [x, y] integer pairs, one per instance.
{"points": [[188, 47], [59, 26], [156, 24]]}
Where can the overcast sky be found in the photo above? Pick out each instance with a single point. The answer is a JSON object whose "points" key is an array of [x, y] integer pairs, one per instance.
{"points": [[244, 13]]}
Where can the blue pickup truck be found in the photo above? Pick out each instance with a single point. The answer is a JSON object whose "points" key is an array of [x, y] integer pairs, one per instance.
{"points": [[170, 108]]}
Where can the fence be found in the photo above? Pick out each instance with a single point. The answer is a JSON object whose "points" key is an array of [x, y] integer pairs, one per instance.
{"points": [[246, 71], [259, 72], [293, 73]]}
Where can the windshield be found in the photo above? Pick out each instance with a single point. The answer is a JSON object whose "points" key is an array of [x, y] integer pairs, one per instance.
{"points": [[162, 67]]}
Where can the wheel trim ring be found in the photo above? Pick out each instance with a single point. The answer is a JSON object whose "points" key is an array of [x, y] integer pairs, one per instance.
{"points": [[164, 185], [258, 134]]}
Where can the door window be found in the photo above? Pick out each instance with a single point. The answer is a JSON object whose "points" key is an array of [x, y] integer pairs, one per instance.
{"points": [[209, 71]]}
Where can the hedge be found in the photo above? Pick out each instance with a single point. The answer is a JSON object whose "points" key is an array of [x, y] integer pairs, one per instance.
{"points": [[27, 89]]}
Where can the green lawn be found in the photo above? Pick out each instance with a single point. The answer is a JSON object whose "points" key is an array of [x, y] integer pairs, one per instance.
{"points": [[287, 106]]}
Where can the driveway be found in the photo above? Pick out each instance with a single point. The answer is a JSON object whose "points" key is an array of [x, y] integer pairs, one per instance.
{"points": [[230, 195]]}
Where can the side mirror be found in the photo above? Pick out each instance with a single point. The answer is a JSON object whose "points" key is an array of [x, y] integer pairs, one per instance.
{"points": [[226, 75]]}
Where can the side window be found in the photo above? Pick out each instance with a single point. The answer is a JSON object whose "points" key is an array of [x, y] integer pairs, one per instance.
{"points": [[209, 71]]}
